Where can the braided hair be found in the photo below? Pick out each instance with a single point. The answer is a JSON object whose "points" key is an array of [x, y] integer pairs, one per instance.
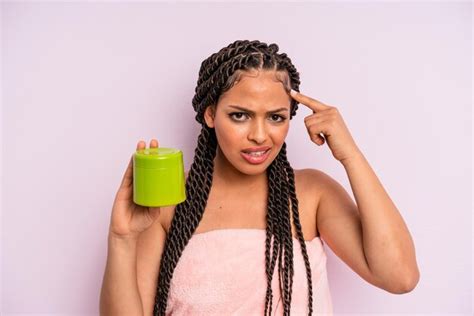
{"points": [[217, 74]]}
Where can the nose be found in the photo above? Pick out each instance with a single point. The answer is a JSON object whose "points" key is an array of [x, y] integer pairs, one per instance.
{"points": [[258, 132]]}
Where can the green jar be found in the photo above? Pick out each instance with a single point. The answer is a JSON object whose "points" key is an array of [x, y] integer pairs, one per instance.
{"points": [[158, 177]]}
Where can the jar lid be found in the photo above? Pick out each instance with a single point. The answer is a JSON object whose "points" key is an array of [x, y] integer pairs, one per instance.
{"points": [[158, 157]]}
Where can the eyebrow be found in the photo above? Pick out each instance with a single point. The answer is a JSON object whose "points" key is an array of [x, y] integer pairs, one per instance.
{"points": [[252, 112]]}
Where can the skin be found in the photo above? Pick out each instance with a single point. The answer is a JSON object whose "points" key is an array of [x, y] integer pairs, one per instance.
{"points": [[258, 92], [370, 236]]}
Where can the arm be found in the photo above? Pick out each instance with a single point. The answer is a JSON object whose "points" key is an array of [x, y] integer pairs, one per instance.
{"points": [[150, 248], [119, 294], [371, 237]]}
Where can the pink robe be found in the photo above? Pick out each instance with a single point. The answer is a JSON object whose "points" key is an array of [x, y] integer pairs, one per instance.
{"points": [[222, 272]]}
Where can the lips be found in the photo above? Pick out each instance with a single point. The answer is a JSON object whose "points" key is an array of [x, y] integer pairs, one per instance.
{"points": [[263, 152], [256, 149], [256, 159]]}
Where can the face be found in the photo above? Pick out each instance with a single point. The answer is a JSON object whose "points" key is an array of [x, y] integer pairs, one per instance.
{"points": [[255, 112]]}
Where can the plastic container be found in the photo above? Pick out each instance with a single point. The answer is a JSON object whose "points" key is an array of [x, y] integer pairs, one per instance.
{"points": [[158, 177]]}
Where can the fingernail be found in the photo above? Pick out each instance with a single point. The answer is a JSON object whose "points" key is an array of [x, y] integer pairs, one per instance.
{"points": [[293, 92]]}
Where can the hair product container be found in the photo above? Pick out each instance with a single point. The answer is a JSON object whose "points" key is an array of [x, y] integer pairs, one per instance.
{"points": [[158, 177]]}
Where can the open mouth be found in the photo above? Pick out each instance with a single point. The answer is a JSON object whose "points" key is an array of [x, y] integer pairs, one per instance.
{"points": [[256, 157]]}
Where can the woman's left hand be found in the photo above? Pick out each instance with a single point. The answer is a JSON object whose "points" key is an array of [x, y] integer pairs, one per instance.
{"points": [[327, 120]]}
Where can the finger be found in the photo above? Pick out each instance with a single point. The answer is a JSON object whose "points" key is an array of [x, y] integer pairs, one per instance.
{"points": [[316, 137], [311, 103], [154, 143], [141, 145], [319, 140], [127, 179]]}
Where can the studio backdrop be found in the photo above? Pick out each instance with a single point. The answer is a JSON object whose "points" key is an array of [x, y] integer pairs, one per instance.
{"points": [[83, 82]]}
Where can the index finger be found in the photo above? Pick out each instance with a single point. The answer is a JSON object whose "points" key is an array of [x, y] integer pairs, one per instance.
{"points": [[313, 104]]}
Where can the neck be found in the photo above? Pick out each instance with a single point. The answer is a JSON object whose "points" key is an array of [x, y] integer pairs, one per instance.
{"points": [[226, 175]]}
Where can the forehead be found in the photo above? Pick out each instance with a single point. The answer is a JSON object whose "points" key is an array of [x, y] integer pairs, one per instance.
{"points": [[262, 87]]}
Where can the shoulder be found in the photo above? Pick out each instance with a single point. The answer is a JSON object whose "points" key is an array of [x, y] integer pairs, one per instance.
{"points": [[313, 184], [314, 179], [322, 186]]}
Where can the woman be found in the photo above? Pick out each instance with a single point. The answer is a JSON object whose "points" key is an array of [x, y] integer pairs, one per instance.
{"points": [[246, 208]]}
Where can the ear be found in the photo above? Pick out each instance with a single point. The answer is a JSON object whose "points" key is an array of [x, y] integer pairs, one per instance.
{"points": [[209, 115]]}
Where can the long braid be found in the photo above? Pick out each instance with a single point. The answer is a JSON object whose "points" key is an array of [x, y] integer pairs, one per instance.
{"points": [[272, 228], [273, 206], [296, 221], [217, 74], [287, 236]]}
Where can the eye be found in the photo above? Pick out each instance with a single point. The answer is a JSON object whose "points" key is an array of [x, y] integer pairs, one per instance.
{"points": [[232, 115], [282, 118], [275, 117]]}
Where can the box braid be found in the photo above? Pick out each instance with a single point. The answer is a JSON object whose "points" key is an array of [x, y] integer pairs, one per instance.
{"points": [[218, 73]]}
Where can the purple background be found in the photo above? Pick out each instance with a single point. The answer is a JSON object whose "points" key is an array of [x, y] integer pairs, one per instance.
{"points": [[83, 82]]}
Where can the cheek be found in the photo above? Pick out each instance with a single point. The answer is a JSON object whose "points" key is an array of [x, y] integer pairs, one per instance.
{"points": [[229, 135], [280, 133]]}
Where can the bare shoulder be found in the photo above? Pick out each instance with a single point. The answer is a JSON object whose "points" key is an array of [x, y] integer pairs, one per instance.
{"points": [[334, 201], [315, 177], [313, 180], [325, 189]]}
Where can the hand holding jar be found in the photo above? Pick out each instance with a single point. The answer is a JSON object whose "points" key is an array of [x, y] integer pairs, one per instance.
{"points": [[128, 219]]}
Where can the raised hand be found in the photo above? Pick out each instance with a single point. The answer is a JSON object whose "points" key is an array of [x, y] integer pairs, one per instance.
{"points": [[128, 219], [327, 120]]}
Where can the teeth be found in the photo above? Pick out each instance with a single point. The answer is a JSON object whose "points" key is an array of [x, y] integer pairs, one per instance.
{"points": [[257, 153]]}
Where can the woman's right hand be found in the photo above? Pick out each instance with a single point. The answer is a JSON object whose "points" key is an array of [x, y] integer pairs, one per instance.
{"points": [[128, 219]]}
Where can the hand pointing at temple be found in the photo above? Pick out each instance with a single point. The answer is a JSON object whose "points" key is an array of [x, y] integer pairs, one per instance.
{"points": [[328, 121]]}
